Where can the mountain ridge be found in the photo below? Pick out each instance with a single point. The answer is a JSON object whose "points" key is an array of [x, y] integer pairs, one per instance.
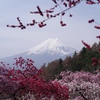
{"points": [[50, 45], [45, 52]]}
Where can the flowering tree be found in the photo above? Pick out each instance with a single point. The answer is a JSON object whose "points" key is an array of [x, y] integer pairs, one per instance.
{"points": [[23, 82], [82, 85]]}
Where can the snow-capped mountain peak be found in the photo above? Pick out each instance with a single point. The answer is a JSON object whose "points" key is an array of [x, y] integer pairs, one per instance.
{"points": [[52, 46], [45, 52]]}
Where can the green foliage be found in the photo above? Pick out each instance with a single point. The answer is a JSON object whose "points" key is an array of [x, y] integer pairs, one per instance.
{"points": [[83, 61], [79, 61], [53, 69]]}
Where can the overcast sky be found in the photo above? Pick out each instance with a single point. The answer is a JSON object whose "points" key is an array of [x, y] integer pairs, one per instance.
{"points": [[14, 41]]}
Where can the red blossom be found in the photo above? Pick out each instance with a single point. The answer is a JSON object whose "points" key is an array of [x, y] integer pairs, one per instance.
{"points": [[49, 11], [70, 4], [47, 15], [98, 50], [63, 13], [62, 24], [97, 27], [95, 61], [70, 15], [91, 21], [90, 2], [98, 61], [41, 24], [86, 45], [98, 1], [54, 1], [98, 36], [65, 4], [16, 83]]}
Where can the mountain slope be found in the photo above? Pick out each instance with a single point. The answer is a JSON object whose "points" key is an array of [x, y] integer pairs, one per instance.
{"points": [[51, 46], [45, 52]]}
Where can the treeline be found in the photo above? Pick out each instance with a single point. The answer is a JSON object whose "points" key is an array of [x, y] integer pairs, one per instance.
{"points": [[86, 60]]}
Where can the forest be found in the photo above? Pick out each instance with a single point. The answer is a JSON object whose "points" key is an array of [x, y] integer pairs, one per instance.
{"points": [[86, 60]]}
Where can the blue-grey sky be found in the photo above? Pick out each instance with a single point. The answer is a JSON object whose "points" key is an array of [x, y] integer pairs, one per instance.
{"points": [[14, 41]]}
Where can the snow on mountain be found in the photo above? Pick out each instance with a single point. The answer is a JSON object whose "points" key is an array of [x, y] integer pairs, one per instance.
{"points": [[52, 46], [45, 52]]}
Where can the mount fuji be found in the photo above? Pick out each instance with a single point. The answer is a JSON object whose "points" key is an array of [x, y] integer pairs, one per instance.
{"points": [[45, 52]]}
